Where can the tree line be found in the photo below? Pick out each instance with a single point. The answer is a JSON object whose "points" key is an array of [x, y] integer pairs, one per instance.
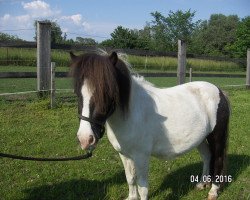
{"points": [[220, 35]]}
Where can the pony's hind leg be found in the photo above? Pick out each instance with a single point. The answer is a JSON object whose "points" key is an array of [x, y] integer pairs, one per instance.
{"points": [[204, 151], [217, 141], [217, 164]]}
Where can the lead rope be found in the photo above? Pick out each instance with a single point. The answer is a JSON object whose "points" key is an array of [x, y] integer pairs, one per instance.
{"points": [[85, 156]]}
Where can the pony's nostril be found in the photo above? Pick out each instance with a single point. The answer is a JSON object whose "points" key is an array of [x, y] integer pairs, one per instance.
{"points": [[91, 139]]}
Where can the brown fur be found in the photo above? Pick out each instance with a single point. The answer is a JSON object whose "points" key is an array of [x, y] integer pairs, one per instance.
{"points": [[217, 140], [107, 76]]}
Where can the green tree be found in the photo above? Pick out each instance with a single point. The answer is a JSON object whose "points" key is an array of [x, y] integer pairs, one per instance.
{"points": [[216, 35], [242, 42], [124, 38], [177, 25], [144, 40], [56, 33], [6, 37], [128, 38], [160, 38], [86, 41], [107, 43]]}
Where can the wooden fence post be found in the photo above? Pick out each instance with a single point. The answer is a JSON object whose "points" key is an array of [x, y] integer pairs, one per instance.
{"points": [[43, 57], [181, 71], [146, 62], [190, 74], [52, 85], [248, 70], [7, 55]]}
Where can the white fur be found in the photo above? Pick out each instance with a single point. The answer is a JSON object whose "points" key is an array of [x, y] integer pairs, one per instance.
{"points": [[164, 123], [85, 131]]}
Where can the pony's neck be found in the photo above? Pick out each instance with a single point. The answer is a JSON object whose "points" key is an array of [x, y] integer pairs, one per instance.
{"points": [[140, 102], [120, 128]]}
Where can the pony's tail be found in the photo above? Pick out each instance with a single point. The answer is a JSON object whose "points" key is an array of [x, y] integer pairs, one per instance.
{"points": [[225, 158]]}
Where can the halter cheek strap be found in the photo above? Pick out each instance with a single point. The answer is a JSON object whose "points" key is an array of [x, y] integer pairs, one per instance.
{"points": [[92, 121]]}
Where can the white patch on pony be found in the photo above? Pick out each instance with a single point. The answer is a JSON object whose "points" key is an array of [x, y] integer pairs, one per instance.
{"points": [[164, 123], [213, 193], [170, 121], [85, 129], [204, 151]]}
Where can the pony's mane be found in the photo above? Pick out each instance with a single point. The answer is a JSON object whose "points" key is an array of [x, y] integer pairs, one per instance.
{"points": [[109, 79], [141, 81]]}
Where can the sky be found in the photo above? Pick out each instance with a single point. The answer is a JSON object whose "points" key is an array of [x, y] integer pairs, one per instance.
{"points": [[98, 18]]}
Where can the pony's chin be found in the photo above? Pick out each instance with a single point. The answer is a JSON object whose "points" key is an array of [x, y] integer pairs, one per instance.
{"points": [[91, 147], [88, 148]]}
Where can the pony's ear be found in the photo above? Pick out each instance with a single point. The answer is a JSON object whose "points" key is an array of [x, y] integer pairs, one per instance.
{"points": [[72, 56], [113, 58]]}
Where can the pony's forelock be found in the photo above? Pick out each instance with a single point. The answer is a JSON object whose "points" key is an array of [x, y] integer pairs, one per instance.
{"points": [[103, 78]]}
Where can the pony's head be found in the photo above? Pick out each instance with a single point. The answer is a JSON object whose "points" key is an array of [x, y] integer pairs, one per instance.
{"points": [[102, 85]]}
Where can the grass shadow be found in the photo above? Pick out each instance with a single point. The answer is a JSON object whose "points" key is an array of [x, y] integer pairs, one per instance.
{"points": [[179, 181], [80, 189]]}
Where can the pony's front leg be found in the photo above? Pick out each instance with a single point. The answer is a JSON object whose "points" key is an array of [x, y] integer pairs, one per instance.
{"points": [[141, 168], [130, 176]]}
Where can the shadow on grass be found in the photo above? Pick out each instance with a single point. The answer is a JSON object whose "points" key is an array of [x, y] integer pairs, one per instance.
{"points": [[179, 181], [80, 189]]}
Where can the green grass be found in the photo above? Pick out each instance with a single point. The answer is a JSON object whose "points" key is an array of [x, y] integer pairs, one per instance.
{"points": [[10, 68], [28, 127], [170, 64], [8, 85], [27, 57]]}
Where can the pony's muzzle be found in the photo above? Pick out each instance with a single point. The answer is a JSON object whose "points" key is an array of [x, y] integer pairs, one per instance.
{"points": [[87, 142]]}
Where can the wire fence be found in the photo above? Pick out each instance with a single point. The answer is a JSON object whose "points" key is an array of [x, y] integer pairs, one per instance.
{"points": [[22, 53], [139, 59], [72, 90], [138, 52]]}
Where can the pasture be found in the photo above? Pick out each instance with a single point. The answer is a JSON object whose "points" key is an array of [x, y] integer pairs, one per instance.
{"points": [[29, 127], [23, 57]]}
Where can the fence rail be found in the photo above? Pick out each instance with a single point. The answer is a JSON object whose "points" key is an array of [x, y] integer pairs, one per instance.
{"points": [[136, 52], [169, 74]]}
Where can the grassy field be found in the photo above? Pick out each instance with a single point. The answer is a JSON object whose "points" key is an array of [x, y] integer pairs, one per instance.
{"points": [[27, 57], [29, 84], [28, 127]]}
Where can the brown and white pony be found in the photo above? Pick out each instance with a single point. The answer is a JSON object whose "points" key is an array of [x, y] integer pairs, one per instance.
{"points": [[143, 120]]}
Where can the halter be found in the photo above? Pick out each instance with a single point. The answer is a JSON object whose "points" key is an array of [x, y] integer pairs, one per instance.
{"points": [[92, 121], [99, 123], [95, 122]]}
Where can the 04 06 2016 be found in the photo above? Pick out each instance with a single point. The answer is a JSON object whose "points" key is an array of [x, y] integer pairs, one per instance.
{"points": [[208, 178]]}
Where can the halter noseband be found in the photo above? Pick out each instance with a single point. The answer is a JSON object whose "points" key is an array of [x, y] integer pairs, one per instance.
{"points": [[95, 122]]}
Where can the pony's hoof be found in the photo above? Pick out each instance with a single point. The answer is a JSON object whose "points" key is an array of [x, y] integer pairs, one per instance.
{"points": [[131, 198], [202, 185], [212, 197]]}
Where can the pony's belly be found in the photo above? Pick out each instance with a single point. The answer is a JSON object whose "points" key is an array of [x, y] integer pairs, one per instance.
{"points": [[170, 152], [177, 148], [175, 139]]}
